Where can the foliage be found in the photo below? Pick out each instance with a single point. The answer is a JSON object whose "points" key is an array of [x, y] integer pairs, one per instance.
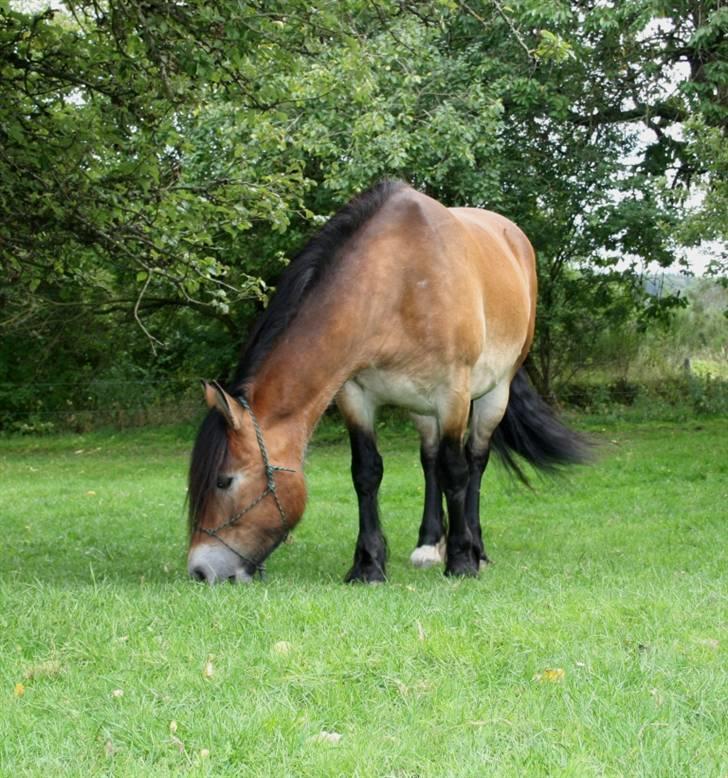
{"points": [[674, 397], [158, 161], [707, 221]]}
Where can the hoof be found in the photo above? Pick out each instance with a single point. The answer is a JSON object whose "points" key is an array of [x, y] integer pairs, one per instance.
{"points": [[462, 571], [365, 573], [428, 556], [370, 561], [464, 564]]}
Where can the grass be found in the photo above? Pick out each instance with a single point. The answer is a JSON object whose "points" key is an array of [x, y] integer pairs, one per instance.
{"points": [[615, 580]]}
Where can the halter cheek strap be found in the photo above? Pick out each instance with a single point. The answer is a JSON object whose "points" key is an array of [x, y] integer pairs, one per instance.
{"points": [[270, 488]]}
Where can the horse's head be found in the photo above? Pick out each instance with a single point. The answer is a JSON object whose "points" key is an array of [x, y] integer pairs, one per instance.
{"points": [[242, 500]]}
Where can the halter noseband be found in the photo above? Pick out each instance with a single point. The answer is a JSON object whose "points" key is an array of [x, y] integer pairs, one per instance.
{"points": [[270, 488]]}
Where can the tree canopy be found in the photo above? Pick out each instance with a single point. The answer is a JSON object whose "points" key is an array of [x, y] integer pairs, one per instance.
{"points": [[159, 160]]}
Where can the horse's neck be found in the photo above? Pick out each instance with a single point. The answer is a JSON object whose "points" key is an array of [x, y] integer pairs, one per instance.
{"points": [[299, 378]]}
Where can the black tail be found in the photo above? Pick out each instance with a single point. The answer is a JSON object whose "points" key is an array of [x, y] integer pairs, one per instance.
{"points": [[531, 429]]}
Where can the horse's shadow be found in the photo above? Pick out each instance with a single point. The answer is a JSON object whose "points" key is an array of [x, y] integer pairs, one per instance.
{"points": [[61, 563]]}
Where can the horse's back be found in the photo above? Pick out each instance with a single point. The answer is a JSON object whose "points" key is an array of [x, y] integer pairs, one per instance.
{"points": [[455, 300], [476, 279]]}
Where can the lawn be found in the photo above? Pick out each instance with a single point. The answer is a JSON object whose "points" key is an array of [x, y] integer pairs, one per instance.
{"points": [[596, 645]]}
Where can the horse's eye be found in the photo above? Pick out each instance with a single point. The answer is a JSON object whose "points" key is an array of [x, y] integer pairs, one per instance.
{"points": [[224, 481]]}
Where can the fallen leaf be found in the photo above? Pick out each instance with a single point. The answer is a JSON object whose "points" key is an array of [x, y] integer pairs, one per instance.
{"points": [[179, 745], [327, 737], [209, 670], [420, 632], [710, 643], [117, 693], [45, 669], [91, 492], [173, 727], [204, 753], [109, 749], [19, 689], [282, 647], [555, 675]]}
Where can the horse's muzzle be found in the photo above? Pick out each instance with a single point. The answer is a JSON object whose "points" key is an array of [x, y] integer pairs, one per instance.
{"points": [[216, 564]]}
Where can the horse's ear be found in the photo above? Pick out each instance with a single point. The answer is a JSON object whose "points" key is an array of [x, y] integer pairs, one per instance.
{"points": [[217, 398]]}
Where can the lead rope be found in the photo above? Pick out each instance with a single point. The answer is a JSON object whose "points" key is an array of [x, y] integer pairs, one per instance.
{"points": [[269, 469], [270, 488]]}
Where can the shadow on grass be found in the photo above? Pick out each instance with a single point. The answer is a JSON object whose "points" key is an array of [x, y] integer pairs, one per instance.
{"points": [[84, 559]]}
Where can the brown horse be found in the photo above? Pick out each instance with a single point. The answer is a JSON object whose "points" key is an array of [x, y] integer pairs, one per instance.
{"points": [[398, 300]]}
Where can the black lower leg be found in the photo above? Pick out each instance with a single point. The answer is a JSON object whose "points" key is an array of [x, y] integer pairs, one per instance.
{"points": [[477, 462], [463, 553], [432, 527], [370, 555]]}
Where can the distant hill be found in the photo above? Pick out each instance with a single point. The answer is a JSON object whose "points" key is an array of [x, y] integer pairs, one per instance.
{"points": [[659, 284], [710, 292]]}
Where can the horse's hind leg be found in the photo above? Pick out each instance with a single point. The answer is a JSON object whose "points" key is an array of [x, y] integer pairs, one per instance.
{"points": [[431, 539], [477, 462], [486, 415], [463, 550], [370, 554]]}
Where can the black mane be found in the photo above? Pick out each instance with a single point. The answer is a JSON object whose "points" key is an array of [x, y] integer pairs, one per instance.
{"points": [[306, 271], [208, 456]]}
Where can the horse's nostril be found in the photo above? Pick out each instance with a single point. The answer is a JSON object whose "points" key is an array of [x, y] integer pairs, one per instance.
{"points": [[199, 574]]}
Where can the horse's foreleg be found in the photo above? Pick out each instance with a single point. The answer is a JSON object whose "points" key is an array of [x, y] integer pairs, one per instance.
{"points": [[431, 539], [370, 555]]}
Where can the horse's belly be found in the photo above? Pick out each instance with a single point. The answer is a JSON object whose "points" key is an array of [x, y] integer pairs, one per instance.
{"points": [[387, 387], [424, 394], [491, 370]]}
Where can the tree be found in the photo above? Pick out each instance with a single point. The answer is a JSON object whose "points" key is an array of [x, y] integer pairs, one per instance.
{"points": [[159, 160]]}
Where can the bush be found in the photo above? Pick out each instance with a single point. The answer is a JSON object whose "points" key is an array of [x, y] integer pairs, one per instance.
{"points": [[686, 394]]}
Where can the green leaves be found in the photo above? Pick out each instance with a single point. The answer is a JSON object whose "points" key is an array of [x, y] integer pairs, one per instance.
{"points": [[161, 157], [552, 47]]}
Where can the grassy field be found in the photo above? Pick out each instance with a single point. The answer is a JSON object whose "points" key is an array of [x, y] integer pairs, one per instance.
{"points": [[596, 645]]}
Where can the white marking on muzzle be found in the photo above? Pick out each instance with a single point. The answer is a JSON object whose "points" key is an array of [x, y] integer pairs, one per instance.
{"points": [[214, 563]]}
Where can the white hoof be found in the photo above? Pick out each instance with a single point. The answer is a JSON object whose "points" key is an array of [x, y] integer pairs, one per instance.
{"points": [[428, 556]]}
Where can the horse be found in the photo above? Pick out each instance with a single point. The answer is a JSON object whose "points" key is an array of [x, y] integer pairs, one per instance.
{"points": [[397, 300]]}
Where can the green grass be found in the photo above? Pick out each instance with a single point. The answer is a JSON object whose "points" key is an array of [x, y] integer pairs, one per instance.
{"points": [[617, 576]]}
